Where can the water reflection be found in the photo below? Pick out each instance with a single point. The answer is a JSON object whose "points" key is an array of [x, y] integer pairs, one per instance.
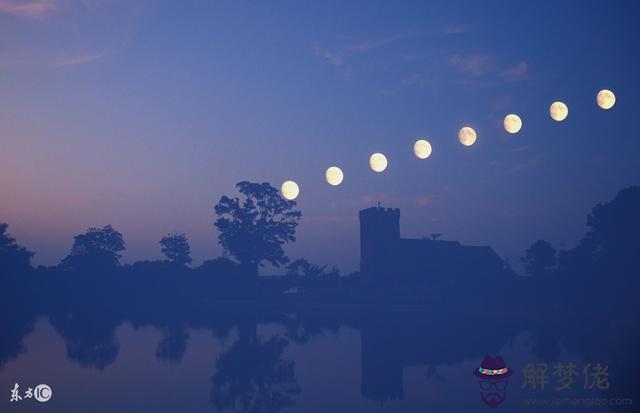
{"points": [[89, 337], [14, 326], [173, 344], [252, 377], [256, 371]]}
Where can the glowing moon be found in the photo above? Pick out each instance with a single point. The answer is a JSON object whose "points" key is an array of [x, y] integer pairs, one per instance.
{"points": [[378, 162], [558, 111], [512, 123], [334, 176], [422, 149], [606, 99], [290, 190], [467, 136]]}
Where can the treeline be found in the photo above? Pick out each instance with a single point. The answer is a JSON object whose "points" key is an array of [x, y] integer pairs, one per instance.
{"points": [[93, 268], [601, 274], [252, 230]]}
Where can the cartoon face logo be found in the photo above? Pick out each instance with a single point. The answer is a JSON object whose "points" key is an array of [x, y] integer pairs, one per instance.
{"points": [[493, 392], [493, 380]]}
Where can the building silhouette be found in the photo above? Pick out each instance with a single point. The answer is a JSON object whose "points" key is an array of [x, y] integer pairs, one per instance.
{"points": [[387, 258]]}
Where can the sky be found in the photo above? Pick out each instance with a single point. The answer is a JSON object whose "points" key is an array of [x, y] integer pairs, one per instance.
{"points": [[142, 114]]}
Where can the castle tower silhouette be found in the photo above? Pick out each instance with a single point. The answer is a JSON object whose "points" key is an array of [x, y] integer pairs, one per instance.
{"points": [[385, 257], [379, 231]]}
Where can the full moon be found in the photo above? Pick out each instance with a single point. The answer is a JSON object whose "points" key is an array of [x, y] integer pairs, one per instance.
{"points": [[512, 123], [422, 149], [467, 136], [558, 111], [334, 176], [378, 162], [290, 190], [606, 99]]}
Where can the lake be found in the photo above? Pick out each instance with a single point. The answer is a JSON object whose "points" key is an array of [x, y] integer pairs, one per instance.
{"points": [[249, 358]]}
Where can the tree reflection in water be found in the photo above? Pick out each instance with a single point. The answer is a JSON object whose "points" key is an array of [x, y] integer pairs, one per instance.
{"points": [[252, 377]]}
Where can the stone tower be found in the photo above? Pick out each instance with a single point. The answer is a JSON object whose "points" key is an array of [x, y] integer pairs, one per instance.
{"points": [[379, 234]]}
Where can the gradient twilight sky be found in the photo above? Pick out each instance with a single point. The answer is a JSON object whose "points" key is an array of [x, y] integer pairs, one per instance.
{"points": [[141, 114]]}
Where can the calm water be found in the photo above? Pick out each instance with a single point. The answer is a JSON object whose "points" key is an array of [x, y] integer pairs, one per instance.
{"points": [[362, 361]]}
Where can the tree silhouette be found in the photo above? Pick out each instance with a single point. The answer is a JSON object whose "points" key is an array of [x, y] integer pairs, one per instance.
{"points": [[13, 257], [98, 247], [176, 248], [605, 262], [254, 229], [614, 228], [612, 243], [252, 377], [539, 258]]}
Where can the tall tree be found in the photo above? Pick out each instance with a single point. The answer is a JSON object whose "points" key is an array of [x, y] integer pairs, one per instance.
{"points": [[614, 228], [176, 248], [255, 228], [603, 267], [13, 257], [612, 243], [98, 248], [539, 258]]}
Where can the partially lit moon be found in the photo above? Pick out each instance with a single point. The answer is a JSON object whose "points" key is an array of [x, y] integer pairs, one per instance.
{"points": [[558, 111], [512, 123], [378, 162], [334, 176], [422, 149], [606, 99], [290, 190], [467, 136]]}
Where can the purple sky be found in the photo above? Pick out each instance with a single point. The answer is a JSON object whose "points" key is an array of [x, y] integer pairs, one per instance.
{"points": [[141, 114]]}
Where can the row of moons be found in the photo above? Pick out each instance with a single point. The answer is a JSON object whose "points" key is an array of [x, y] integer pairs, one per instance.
{"points": [[467, 137]]}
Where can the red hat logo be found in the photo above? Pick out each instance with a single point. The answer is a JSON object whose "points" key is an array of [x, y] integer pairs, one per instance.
{"points": [[493, 380]]}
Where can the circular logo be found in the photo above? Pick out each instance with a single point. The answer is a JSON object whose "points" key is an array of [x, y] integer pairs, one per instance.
{"points": [[42, 393]]}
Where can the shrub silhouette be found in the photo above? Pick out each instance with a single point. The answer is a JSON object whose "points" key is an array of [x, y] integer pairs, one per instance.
{"points": [[303, 268]]}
